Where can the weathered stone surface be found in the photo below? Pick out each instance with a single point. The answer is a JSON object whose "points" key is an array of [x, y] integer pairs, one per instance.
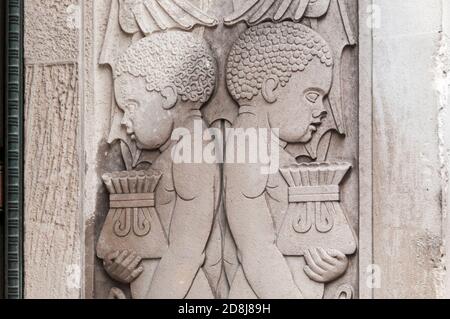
{"points": [[52, 30], [207, 230], [409, 198], [53, 118], [121, 48], [52, 220]]}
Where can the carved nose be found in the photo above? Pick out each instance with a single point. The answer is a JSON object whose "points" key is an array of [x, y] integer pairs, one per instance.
{"points": [[320, 114]]}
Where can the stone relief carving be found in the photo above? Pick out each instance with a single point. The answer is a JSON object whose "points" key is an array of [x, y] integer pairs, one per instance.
{"points": [[130, 21], [161, 83], [315, 216], [189, 230], [280, 75], [257, 11], [149, 16], [330, 18], [132, 222]]}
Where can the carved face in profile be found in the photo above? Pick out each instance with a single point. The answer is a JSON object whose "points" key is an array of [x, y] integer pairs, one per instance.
{"points": [[158, 75], [297, 109], [147, 116], [286, 70]]}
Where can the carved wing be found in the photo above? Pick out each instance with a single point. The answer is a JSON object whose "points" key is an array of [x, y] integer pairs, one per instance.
{"points": [[337, 30], [149, 16], [129, 18], [256, 11]]}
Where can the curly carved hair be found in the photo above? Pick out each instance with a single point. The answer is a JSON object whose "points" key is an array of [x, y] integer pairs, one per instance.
{"points": [[172, 58], [272, 49]]}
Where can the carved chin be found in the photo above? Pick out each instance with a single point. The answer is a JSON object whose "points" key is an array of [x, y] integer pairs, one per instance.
{"points": [[308, 135], [150, 145]]}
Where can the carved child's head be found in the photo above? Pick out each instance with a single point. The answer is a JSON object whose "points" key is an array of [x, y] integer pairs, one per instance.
{"points": [[159, 78], [286, 69]]}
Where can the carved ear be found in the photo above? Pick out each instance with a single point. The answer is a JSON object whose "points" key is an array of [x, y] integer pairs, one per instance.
{"points": [[269, 88], [171, 97]]}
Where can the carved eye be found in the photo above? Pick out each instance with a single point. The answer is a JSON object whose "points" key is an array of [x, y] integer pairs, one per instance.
{"points": [[312, 96]]}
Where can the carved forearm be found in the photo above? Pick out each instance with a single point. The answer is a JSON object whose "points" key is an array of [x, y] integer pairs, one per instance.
{"points": [[264, 266], [189, 233]]}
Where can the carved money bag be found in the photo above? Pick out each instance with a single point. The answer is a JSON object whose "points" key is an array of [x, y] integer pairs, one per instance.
{"points": [[132, 222], [315, 217]]}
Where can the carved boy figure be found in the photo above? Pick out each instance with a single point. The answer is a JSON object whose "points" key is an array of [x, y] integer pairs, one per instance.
{"points": [[161, 83], [279, 74]]}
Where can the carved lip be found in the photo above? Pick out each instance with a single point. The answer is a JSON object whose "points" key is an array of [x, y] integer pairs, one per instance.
{"points": [[314, 126]]}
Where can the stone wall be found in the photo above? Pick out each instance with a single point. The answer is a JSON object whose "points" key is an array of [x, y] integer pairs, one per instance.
{"points": [[411, 147], [53, 150]]}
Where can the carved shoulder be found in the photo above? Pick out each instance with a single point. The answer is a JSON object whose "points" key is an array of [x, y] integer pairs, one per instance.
{"points": [[194, 180], [245, 179]]}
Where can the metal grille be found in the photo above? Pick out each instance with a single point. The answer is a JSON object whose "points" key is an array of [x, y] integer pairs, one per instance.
{"points": [[13, 155]]}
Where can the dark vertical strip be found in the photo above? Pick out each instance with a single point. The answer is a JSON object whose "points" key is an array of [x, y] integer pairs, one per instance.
{"points": [[2, 103], [13, 182]]}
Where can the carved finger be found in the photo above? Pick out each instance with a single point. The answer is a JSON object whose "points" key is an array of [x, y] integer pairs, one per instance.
{"points": [[318, 261], [312, 275], [113, 255], [129, 259], [125, 274], [312, 264], [326, 257], [117, 266], [136, 273], [127, 265], [122, 265], [121, 256], [110, 269], [137, 260], [337, 254]]}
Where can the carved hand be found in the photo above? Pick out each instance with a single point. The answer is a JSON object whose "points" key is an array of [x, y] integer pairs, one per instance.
{"points": [[325, 266], [123, 266]]}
